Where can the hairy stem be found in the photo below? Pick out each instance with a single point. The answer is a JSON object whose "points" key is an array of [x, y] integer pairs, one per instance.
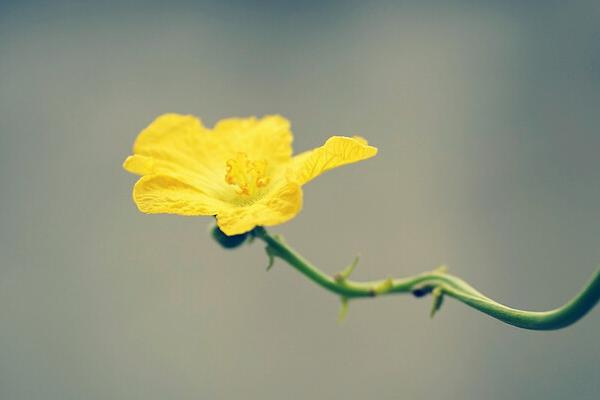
{"points": [[439, 283]]}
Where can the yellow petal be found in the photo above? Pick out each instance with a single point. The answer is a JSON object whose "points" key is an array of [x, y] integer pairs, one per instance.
{"points": [[277, 207], [337, 151], [139, 165], [181, 132], [181, 147], [268, 138], [160, 194]]}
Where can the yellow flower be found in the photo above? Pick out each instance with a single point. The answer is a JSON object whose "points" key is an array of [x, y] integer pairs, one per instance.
{"points": [[242, 171]]}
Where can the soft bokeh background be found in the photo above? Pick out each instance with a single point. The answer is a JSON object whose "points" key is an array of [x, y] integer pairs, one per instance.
{"points": [[486, 116]]}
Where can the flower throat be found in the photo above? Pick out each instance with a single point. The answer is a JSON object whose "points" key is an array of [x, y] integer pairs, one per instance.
{"points": [[247, 175]]}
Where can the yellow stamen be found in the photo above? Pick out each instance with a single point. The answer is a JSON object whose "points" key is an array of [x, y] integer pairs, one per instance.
{"points": [[247, 175]]}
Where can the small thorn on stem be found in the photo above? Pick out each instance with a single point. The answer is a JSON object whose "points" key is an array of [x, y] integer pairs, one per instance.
{"points": [[271, 253], [344, 309], [442, 269], [438, 299], [344, 274], [384, 286]]}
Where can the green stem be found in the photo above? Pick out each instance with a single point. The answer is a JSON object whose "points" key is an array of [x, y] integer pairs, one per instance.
{"points": [[445, 284]]}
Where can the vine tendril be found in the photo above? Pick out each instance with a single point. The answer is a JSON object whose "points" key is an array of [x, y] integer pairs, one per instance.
{"points": [[438, 283]]}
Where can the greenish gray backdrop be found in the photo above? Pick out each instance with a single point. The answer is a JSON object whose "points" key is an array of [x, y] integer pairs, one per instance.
{"points": [[487, 119]]}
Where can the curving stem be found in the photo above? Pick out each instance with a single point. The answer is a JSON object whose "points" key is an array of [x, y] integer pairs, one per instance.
{"points": [[438, 283]]}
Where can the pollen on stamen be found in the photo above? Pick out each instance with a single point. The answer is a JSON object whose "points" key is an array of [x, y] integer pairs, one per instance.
{"points": [[247, 175], [264, 181]]}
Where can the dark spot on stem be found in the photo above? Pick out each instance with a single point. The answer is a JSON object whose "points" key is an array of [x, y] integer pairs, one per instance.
{"points": [[422, 291]]}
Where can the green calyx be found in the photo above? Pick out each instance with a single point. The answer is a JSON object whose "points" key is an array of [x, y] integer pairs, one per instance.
{"points": [[228, 242]]}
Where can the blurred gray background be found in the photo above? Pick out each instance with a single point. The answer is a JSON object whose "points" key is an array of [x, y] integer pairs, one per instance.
{"points": [[486, 117]]}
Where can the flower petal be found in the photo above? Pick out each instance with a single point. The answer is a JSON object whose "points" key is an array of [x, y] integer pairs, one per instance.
{"points": [[268, 138], [181, 147], [139, 165], [161, 194], [171, 137], [337, 151], [277, 207]]}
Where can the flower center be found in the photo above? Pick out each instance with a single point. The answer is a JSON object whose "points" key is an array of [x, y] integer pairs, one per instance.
{"points": [[247, 175]]}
